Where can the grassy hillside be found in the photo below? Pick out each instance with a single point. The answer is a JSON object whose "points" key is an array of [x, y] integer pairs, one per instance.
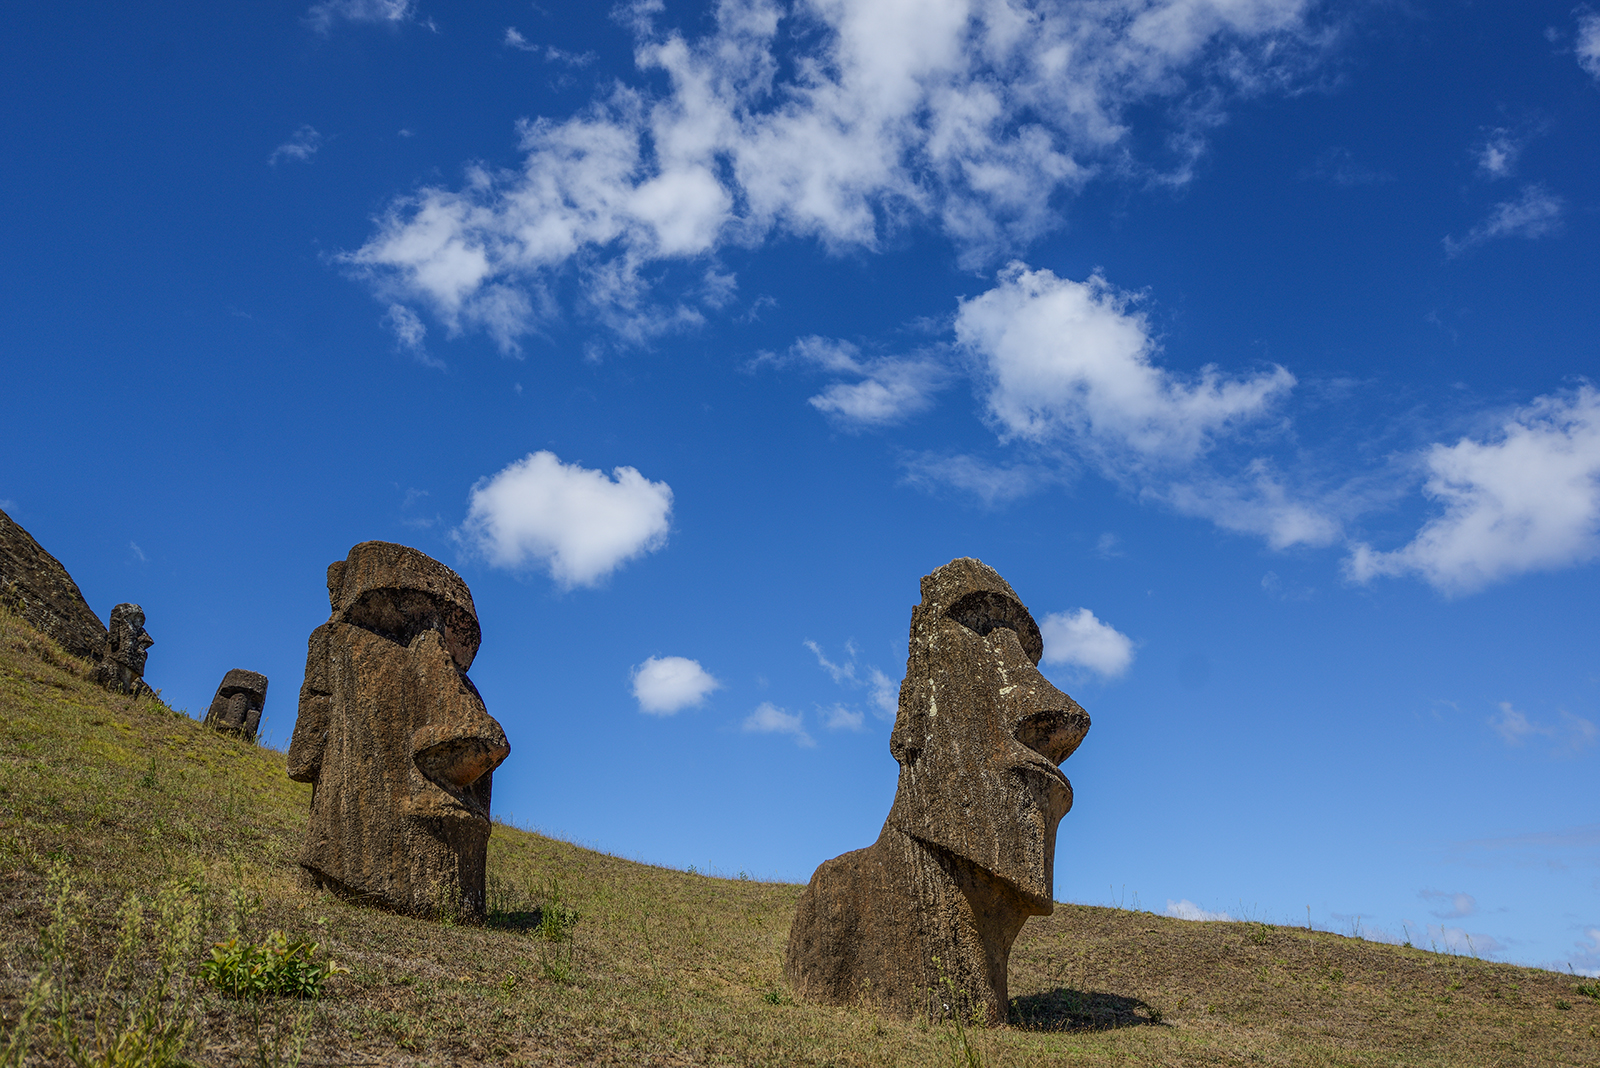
{"points": [[132, 840]]}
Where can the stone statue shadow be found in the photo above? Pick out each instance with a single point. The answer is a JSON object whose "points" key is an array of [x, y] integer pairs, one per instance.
{"points": [[1066, 1009]]}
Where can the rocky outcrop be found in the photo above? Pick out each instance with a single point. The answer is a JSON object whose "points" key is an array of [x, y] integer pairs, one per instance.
{"points": [[396, 739], [922, 921], [35, 586], [236, 708]]}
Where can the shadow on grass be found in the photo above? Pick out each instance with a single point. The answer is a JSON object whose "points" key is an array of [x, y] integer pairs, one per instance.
{"points": [[1065, 1009], [525, 921]]}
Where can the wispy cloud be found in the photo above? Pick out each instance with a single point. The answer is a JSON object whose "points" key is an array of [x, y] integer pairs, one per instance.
{"points": [[885, 390], [883, 693], [1527, 498], [770, 719], [299, 148], [1572, 732], [666, 685], [577, 523], [1450, 906], [410, 335], [839, 123], [993, 485], [1536, 212], [1497, 154], [323, 16], [1587, 44]]}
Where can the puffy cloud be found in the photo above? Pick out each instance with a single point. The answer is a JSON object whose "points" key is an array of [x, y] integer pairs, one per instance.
{"points": [[1079, 639], [1188, 910], [1536, 212], [1451, 906], [1072, 360], [300, 147], [1525, 499], [1497, 156], [888, 390], [770, 719], [324, 15], [578, 523], [1587, 45], [859, 116], [664, 685]]}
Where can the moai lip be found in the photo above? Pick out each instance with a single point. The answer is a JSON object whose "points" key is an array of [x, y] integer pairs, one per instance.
{"points": [[396, 738], [237, 707], [922, 921]]}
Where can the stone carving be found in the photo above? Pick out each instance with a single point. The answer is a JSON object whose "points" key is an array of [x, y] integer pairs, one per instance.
{"points": [[127, 645], [236, 709], [922, 921], [395, 738], [35, 586]]}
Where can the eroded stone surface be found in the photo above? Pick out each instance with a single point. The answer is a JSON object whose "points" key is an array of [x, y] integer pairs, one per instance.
{"points": [[35, 586], [127, 646], [237, 707], [395, 737], [922, 921]]}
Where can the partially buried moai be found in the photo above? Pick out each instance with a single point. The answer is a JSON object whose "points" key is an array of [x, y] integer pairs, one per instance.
{"points": [[121, 667], [922, 921], [396, 739], [236, 709]]}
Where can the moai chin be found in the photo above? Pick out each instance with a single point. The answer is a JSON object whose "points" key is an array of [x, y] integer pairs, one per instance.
{"points": [[922, 921], [395, 738], [127, 646], [236, 709]]}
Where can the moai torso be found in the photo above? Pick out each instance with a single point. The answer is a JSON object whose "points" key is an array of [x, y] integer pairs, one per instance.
{"points": [[922, 921], [395, 737]]}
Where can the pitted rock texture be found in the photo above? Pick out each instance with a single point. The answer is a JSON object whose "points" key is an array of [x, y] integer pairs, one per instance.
{"points": [[922, 921], [127, 646], [35, 586], [396, 739], [237, 707]]}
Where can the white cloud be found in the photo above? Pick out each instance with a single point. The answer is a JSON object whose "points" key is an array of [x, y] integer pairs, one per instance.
{"points": [[1536, 212], [1586, 955], [1514, 726], [1255, 502], [885, 694], [840, 673], [889, 390], [1451, 906], [1526, 499], [770, 719], [838, 121], [138, 552], [300, 147], [1065, 360], [1446, 939], [514, 39], [1497, 156], [1188, 910], [1079, 639], [664, 685], [991, 484], [882, 692], [578, 523], [322, 16], [840, 717], [1587, 45]]}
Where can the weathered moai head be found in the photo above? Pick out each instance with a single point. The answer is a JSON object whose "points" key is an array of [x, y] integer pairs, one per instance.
{"points": [[980, 732], [395, 737], [236, 709], [127, 647]]}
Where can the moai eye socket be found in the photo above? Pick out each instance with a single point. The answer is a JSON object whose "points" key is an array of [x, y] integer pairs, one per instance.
{"points": [[982, 611], [399, 615]]}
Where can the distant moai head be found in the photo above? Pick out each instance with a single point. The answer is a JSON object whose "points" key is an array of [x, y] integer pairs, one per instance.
{"points": [[236, 709], [980, 732], [127, 647], [396, 737]]}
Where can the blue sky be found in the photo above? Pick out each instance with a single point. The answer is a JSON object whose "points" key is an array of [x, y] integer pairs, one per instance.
{"points": [[1252, 341]]}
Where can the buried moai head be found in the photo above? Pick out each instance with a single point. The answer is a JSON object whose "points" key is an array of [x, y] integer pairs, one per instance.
{"points": [[236, 709], [396, 738], [980, 731], [127, 647], [922, 921]]}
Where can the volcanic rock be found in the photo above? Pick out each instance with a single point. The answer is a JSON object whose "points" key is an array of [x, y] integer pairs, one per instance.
{"points": [[236, 709], [35, 586]]}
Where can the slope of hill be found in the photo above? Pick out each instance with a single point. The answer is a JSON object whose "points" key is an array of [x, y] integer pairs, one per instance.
{"points": [[132, 840]]}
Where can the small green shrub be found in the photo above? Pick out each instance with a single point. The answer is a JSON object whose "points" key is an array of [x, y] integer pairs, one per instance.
{"points": [[1590, 990], [273, 967]]}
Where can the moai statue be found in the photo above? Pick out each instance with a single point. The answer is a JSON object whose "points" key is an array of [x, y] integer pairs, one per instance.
{"points": [[922, 921], [127, 645], [395, 738], [236, 709]]}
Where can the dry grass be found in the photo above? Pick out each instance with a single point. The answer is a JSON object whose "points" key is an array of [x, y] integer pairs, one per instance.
{"points": [[661, 967]]}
